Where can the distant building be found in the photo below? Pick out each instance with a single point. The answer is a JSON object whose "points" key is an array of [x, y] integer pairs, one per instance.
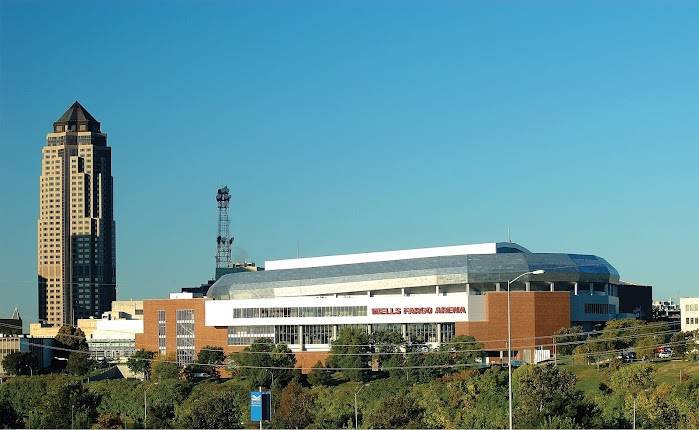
{"points": [[76, 231], [689, 313], [635, 299], [41, 348], [666, 310], [11, 326], [110, 338]]}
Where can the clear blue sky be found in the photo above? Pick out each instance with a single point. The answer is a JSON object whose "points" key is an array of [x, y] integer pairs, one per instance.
{"points": [[360, 126]]}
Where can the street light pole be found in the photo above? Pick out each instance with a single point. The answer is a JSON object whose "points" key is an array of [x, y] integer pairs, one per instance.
{"points": [[509, 339]]}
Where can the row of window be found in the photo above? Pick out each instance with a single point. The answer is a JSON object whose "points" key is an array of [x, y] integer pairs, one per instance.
{"points": [[691, 308], [600, 308], [692, 320], [317, 311], [323, 334]]}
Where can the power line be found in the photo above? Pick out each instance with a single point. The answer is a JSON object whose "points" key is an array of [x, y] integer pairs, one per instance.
{"points": [[441, 351]]}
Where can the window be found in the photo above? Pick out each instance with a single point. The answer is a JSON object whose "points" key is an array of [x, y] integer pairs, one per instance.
{"points": [[318, 311], [162, 339], [599, 308], [317, 334], [246, 335], [185, 336], [288, 334], [422, 332]]}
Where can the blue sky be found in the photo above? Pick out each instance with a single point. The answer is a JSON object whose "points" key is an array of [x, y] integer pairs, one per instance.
{"points": [[353, 126]]}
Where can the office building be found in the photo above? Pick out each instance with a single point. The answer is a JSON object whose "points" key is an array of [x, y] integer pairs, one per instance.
{"points": [[689, 313], [76, 231]]}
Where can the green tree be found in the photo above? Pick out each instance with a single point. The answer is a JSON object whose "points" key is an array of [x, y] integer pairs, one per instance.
{"points": [[393, 410], [334, 406], [20, 363], [68, 339], [295, 407], [263, 362], [140, 362], [122, 398], [209, 359], [66, 404], [318, 375], [165, 368], [567, 338], [8, 416], [543, 393], [387, 352], [633, 378], [351, 353], [163, 398], [212, 406], [79, 363], [679, 344]]}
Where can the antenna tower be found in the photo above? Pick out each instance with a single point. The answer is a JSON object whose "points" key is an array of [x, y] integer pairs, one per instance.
{"points": [[223, 241]]}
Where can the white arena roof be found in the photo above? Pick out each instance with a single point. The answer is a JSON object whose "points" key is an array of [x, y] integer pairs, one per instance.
{"points": [[405, 254]]}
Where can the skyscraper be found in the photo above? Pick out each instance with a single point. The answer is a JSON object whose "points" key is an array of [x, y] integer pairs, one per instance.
{"points": [[76, 231]]}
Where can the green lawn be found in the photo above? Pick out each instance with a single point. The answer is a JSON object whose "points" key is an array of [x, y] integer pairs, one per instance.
{"points": [[589, 377]]}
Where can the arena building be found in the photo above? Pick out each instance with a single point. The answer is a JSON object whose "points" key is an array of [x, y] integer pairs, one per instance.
{"points": [[428, 295]]}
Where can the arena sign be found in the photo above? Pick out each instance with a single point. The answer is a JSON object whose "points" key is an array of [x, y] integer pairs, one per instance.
{"points": [[419, 310]]}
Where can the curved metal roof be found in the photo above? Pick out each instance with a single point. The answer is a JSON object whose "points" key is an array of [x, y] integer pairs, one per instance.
{"points": [[486, 268]]}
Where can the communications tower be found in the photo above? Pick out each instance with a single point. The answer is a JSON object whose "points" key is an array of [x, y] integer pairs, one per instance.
{"points": [[223, 241]]}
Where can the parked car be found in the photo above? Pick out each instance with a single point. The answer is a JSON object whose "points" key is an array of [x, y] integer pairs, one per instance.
{"points": [[665, 354]]}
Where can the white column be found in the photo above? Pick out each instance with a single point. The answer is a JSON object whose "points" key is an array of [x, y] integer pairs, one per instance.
{"points": [[368, 293], [497, 286], [468, 289], [300, 333], [436, 289], [402, 291], [552, 286], [334, 331], [439, 333], [404, 330], [528, 286], [575, 288]]}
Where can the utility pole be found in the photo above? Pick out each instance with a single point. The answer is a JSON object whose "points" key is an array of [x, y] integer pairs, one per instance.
{"points": [[634, 412]]}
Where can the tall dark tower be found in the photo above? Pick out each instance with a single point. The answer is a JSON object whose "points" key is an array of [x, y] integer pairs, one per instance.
{"points": [[76, 229], [223, 241]]}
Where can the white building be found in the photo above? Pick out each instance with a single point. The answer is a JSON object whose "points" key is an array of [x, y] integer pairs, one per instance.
{"points": [[689, 312]]}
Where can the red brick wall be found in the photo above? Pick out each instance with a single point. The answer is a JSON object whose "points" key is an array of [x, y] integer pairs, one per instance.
{"points": [[534, 314]]}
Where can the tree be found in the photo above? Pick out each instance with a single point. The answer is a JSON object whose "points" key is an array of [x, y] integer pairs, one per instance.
{"points": [[109, 421], [295, 407], [633, 378], [20, 363], [567, 338], [79, 363], [209, 360], [318, 375], [8, 416], [544, 392], [68, 339], [212, 407], [140, 362], [163, 397], [394, 410], [679, 344], [351, 353], [165, 368], [264, 361]]}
